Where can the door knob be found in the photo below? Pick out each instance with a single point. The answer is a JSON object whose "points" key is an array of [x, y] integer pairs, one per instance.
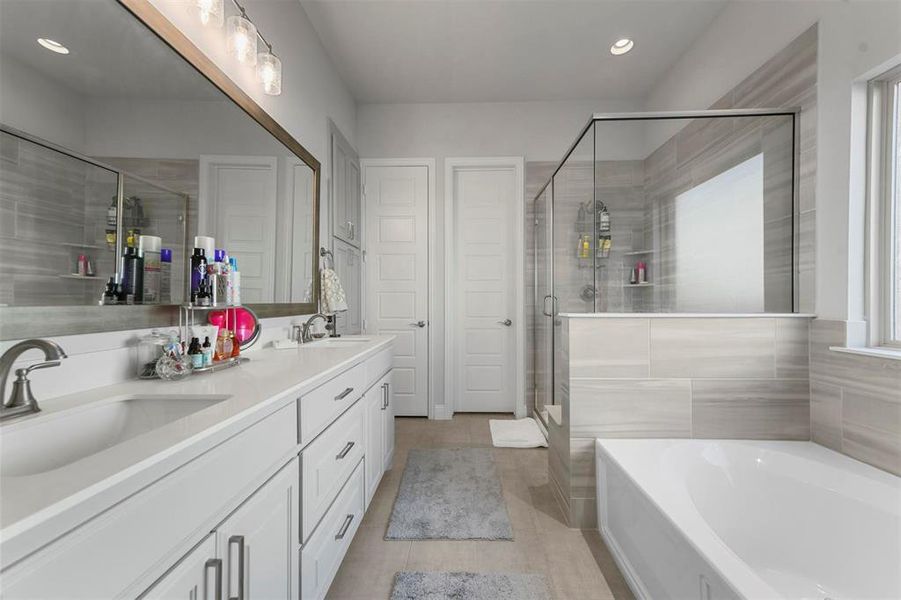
{"points": [[506, 322], [418, 324]]}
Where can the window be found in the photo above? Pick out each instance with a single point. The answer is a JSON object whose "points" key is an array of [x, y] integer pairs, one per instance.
{"points": [[885, 210]]}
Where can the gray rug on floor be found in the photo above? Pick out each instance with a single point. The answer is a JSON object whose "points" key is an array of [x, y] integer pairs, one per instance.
{"points": [[419, 585], [450, 494]]}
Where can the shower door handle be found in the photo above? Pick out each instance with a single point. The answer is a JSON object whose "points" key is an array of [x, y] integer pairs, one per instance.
{"points": [[544, 307]]}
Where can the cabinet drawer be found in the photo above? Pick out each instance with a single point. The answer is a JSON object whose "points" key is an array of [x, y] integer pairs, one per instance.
{"points": [[319, 407], [137, 539], [327, 463], [322, 555], [377, 366]]}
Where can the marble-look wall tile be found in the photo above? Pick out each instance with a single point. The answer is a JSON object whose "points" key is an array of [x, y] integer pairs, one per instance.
{"points": [[581, 452], [751, 409], [826, 415], [792, 348], [871, 428], [609, 348], [630, 408], [855, 400], [710, 347]]}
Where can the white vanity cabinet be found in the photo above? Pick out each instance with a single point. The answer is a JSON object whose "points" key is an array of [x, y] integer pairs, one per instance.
{"points": [[258, 542], [379, 433], [266, 511], [197, 576], [249, 555]]}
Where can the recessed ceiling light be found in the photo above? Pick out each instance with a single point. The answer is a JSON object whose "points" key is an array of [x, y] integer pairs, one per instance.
{"points": [[621, 46], [53, 46]]}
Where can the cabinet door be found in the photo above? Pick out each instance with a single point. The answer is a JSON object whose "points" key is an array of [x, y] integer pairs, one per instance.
{"points": [[345, 190], [349, 267], [387, 424], [197, 576], [354, 201], [373, 461], [258, 542]]}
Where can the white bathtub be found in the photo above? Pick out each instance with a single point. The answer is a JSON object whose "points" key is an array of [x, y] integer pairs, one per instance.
{"points": [[744, 519]]}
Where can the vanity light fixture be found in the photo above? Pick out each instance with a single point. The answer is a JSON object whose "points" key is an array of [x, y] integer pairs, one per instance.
{"points": [[242, 42], [212, 12], [621, 46], [269, 71], [242, 38], [53, 45]]}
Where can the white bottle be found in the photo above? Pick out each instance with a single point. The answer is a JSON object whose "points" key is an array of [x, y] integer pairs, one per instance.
{"points": [[234, 276]]}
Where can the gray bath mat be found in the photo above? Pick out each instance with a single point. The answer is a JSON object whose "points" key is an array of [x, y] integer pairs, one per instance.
{"points": [[450, 494], [419, 585]]}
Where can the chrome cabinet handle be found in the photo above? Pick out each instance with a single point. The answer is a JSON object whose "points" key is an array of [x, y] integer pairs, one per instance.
{"points": [[239, 541], [344, 452], [344, 394], [216, 565], [505, 322], [384, 396], [344, 527], [418, 324]]}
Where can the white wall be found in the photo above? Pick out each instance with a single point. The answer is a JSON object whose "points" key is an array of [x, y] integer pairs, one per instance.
{"points": [[174, 129], [857, 39], [34, 104]]}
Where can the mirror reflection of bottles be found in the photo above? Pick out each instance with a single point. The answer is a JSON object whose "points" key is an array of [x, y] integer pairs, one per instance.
{"points": [[150, 247], [132, 277], [215, 280]]}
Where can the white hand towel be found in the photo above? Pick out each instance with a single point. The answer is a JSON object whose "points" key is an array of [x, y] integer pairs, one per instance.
{"points": [[332, 297]]}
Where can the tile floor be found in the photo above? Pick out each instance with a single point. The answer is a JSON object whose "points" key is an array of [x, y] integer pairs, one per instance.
{"points": [[576, 564]]}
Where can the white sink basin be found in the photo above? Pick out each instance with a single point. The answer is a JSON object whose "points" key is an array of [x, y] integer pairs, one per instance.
{"points": [[47, 442], [339, 342]]}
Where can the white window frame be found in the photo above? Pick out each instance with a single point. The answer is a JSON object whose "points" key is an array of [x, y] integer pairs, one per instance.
{"points": [[883, 177]]}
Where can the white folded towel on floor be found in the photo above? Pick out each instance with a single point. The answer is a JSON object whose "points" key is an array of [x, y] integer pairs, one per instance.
{"points": [[521, 433], [332, 298]]}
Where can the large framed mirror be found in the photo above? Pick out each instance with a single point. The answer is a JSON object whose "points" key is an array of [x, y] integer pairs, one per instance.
{"points": [[127, 140]]}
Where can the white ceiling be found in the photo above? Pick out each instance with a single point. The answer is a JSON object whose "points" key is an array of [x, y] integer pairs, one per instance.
{"points": [[504, 50]]}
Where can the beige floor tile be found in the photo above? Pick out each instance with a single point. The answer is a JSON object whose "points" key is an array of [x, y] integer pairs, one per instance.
{"points": [[576, 564]]}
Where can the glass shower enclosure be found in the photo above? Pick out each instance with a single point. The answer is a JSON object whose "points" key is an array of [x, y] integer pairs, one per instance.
{"points": [[690, 212]]}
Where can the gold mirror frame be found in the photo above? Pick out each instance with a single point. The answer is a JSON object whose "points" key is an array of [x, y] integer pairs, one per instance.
{"points": [[18, 322]]}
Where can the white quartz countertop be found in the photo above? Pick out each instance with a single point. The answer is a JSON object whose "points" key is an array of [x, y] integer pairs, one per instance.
{"points": [[48, 504], [639, 315]]}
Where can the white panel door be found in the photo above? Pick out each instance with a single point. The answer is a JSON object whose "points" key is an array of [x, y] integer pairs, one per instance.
{"points": [[397, 276], [482, 283], [237, 206]]}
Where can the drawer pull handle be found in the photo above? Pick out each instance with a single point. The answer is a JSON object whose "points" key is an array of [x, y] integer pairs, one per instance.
{"points": [[385, 400], [239, 540], [344, 452], [344, 394], [344, 527], [216, 565]]}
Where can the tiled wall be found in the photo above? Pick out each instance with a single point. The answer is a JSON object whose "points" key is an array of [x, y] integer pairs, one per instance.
{"points": [[855, 401], [678, 377]]}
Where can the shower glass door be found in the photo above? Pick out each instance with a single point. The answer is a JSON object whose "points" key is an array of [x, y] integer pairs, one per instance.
{"points": [[543, 332]]}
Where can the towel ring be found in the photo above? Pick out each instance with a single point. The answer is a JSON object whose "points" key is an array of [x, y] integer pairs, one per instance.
{"points": [[328, 256]]}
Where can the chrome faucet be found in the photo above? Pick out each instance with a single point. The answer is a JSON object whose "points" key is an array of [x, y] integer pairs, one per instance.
{"points": [[21, 401], [305, 334]]}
